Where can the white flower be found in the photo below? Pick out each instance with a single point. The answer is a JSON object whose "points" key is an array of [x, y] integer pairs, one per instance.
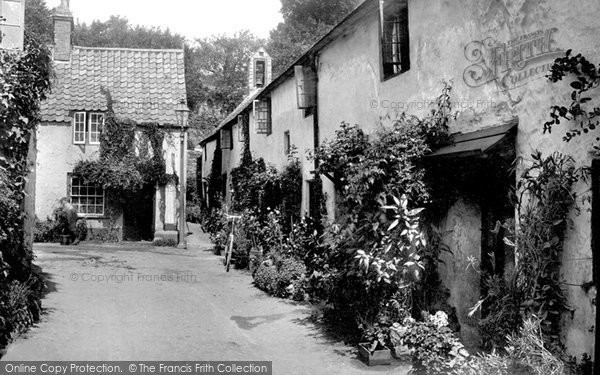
{"points": [[440, 319]]}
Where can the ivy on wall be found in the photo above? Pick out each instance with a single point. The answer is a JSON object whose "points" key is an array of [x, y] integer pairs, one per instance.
{"points": [[127, 163]]}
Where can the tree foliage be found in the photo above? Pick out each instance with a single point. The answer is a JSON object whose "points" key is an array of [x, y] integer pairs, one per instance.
{"points": [[118, 32], [217, 76], [38, 20], [24, 82], [304, 22]]}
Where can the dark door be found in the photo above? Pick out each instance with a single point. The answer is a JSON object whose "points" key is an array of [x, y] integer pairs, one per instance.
{"points": [[138, 220]]}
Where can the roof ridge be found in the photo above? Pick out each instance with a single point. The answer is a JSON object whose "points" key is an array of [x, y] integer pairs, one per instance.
{"points": [[131, 49]]}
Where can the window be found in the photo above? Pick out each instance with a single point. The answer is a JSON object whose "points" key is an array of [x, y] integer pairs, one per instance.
{"points": [[394, 37], [226, 143], [205, 153], [79, 128], [286, 143], [315, 195], [88, 199], [262, 116], [259, 73], [96, 124], [87, 126], [11, 24]]}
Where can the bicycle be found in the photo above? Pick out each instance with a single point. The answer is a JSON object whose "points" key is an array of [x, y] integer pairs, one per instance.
{"points": [[229, 250]]}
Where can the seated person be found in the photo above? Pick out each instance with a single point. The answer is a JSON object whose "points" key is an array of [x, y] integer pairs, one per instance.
{"points": [[72, 216]]}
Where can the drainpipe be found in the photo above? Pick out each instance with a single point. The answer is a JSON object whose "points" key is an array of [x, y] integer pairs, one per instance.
{"points": [[315, 67]]}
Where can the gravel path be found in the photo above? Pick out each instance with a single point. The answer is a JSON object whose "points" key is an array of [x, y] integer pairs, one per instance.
{"points": [[137, 302]]}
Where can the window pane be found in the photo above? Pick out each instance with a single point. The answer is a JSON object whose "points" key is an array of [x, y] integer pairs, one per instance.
{"points": [[11, 11], [88, 199]]}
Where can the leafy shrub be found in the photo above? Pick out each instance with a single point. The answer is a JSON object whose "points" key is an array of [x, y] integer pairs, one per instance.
{"points": [[436, 347], [265, 277], [161, 242], [105, 235], [15, 316], [281, 276], [213, 221], [289, 272], [376, 335], [47, 231], [193, 213], [525, 354]]}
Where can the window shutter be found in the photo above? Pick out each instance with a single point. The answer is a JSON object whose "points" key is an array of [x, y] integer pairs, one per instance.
{"points": [[240, 126], [306, 87], [268, 114], [255, 109], [12, 14]]}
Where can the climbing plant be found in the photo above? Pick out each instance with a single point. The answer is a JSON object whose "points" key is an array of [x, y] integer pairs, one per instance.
{"points": [[534, 287], [128, 161], [586, 79]]}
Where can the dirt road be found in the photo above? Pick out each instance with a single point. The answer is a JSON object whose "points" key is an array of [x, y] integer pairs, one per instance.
{"points": [[137, 302]]}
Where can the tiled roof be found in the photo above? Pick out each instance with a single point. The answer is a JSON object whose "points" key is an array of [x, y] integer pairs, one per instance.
{"points": [[145, 85]]}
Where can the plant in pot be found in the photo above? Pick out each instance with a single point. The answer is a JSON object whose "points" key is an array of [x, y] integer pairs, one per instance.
{"points": [[373, 347]]}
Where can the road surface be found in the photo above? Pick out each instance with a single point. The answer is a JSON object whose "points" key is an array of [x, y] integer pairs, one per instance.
{"points": [[137, 302]]}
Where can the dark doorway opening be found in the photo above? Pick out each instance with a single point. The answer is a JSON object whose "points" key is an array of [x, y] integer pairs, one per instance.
{"points": [[138, 210]]}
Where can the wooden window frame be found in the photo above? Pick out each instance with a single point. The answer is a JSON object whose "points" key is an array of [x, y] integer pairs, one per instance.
{"points": [[262, 117], [75, 199], [395, 41], [258, 62], [78, 132], [100, 127], [226, 139]]}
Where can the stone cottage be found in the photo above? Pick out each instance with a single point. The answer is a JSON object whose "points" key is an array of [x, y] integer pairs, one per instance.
{"points": [[146, 86], [391, 56]]}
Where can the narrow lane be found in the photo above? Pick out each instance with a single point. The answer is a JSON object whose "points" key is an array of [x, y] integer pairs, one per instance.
{"points": [[137, 302]]}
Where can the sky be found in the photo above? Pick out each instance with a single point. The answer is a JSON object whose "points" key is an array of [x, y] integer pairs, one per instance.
{"points": [[191, 18]]}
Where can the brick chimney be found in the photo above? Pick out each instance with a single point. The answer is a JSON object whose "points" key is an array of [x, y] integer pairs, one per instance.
{"points": [[63, 26]]}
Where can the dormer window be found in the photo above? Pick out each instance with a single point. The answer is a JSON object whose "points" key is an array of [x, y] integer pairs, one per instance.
{"points": [[259, 73], [394, 37], [87, 127]]}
